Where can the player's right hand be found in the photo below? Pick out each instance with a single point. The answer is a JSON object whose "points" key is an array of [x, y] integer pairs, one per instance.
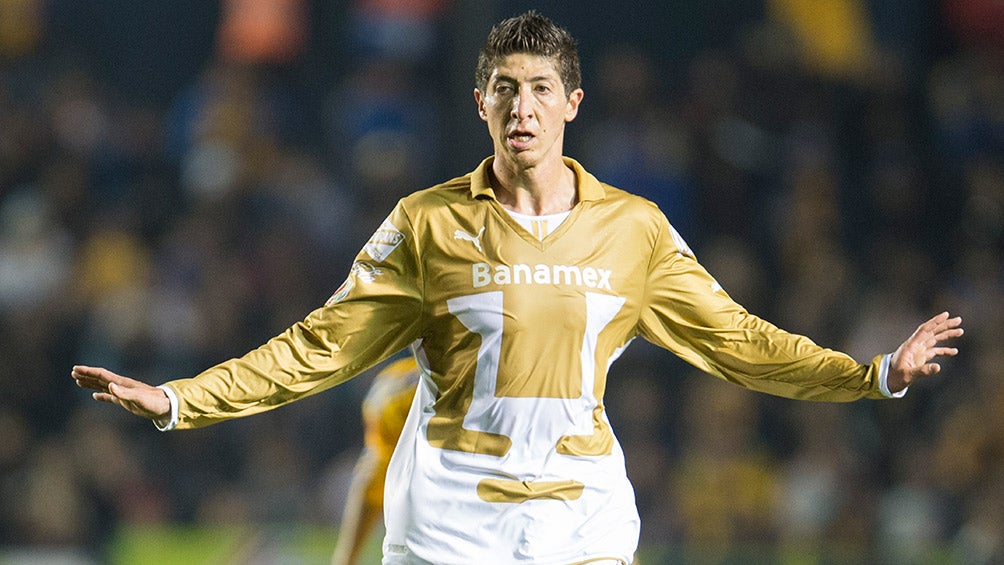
{"points": [[135, 396]]}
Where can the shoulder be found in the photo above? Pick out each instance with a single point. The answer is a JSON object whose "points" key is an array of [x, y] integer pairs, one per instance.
{"points": [[638, 215], [608, 197], [630, 201], [457, 189], [629, 210], [450, 203]]}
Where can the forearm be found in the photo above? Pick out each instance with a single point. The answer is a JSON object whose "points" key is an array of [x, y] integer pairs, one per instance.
{"points": [[754, 354], [693, 317], [326, 349]]}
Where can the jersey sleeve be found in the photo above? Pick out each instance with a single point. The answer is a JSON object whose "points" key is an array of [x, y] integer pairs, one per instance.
{"points": [[688, 312], [375, 313]]}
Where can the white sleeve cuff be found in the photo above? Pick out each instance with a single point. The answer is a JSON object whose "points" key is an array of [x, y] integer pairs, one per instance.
{"points": [[884, 378], [169, 424]]}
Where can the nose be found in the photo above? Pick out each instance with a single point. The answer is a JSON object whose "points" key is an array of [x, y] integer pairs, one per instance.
{"points": [[522, 105]]}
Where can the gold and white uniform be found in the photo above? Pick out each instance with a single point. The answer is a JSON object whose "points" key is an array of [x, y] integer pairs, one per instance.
{"points": [[507, 455]]}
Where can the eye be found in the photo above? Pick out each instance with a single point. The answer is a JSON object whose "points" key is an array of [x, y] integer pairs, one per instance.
{"points": [[503, 88]]}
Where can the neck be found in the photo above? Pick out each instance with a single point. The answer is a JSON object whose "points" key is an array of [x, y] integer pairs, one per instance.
{"points": [[537, 190]]}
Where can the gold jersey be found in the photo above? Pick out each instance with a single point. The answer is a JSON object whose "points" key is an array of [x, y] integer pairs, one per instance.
{"points": [[508, 452]]}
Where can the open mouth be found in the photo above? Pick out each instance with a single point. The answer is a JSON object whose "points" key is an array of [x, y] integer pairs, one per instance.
{"points": [[520, 138]]}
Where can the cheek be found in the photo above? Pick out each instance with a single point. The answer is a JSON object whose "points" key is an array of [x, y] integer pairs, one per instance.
{"points": [[491, 109]]}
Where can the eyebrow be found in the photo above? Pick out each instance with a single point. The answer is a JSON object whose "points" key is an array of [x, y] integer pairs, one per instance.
{"points": [[538, 78]]}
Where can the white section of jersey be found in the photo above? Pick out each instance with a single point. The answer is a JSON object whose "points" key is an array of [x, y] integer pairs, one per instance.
{"points": [[436, 516], [440, 490], [539, 226]]}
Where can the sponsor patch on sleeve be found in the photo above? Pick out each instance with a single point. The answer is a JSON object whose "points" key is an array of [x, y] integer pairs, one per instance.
{"points": [[383, 241]]}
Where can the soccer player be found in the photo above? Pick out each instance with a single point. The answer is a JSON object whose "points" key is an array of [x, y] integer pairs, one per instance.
{"points": [[516, 286], [385, 410]]}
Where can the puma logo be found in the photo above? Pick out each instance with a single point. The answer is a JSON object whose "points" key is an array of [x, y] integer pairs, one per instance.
{"points": [[475, 239]]}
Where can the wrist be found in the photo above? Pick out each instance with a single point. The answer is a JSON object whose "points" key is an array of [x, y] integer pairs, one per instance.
{"points": [[892, 383], [168, 419]]}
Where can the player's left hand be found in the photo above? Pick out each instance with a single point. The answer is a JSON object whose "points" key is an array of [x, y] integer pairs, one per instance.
{"points": [[912, 359]]}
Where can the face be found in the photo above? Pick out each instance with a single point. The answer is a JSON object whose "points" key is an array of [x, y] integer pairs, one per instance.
{"points": [[526, 109]]}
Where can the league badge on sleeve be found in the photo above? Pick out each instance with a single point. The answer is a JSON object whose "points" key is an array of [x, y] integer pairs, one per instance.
{"points": [[383, 241]]}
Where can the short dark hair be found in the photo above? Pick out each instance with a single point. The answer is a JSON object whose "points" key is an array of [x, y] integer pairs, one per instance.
{"points": [[534, 34]]}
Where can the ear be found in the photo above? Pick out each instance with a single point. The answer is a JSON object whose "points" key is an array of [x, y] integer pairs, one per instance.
{"points": [[572, 106], [480, 99]]}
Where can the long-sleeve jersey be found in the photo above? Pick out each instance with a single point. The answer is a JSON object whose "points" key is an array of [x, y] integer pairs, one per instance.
{"points": [[507, 455]]}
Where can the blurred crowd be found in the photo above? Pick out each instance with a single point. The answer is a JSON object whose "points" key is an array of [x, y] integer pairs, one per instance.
{"points": [[177, 185]]}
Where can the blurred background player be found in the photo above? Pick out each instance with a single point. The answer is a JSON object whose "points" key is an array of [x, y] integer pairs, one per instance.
{"points": [[385, 410]]}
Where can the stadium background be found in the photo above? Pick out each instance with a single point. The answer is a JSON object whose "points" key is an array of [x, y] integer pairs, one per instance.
{"points": [[181, 180]]}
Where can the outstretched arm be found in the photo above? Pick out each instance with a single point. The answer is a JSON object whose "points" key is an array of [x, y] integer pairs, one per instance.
{"points": [[912, 359], [135, 396]]}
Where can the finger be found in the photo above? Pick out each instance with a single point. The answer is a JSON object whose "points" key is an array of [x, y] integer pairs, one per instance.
{"points": [[123, 393], [113, 398], [105, 397], [85, 371], [91, 384], [949, 334], [936, 320], [87, 381], [942, 352], [100, 378], [948, 323], [954, 322], [90, 377], [939, 322], [938, 328]]}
